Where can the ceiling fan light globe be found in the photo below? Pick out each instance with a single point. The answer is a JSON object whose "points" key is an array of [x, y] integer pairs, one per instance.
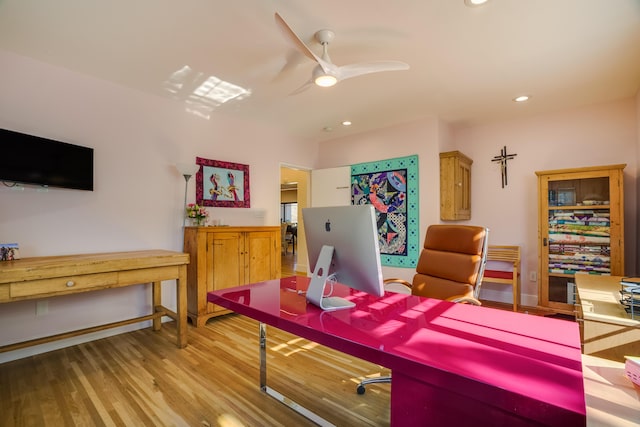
{"points": [[474, 3], [325, 80]]}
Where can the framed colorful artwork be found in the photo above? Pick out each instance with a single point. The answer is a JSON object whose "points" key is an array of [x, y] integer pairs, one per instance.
{"points": [[222, 184], [391, 186]]}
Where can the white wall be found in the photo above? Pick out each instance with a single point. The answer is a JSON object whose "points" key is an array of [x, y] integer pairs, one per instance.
{"points": [[637, 240], [137, 202], [597, 135]]}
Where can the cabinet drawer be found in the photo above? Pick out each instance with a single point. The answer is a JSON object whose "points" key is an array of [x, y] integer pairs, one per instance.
{"points": [[62, 285], [148, 275]]}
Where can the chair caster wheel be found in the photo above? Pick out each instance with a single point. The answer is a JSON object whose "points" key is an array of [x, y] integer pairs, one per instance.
{"points": [[361, 389]]}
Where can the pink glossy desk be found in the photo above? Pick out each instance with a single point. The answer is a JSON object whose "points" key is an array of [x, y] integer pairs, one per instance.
{"points": [[452, 364]]}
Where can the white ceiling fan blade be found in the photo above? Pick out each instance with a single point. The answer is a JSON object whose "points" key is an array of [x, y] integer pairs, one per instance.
{"points": [[293, 37], [354, 70], [292, 61], [303, 88]]}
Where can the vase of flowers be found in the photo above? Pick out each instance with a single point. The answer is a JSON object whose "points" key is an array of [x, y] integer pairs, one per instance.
{"points": [[197, 214]]}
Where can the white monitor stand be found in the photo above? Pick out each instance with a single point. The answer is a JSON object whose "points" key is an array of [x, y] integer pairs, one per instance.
{"points": [[315, 292]]}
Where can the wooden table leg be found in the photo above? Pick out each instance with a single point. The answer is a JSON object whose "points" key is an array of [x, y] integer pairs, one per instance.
{"points": [[181, 304], [156, 297]]}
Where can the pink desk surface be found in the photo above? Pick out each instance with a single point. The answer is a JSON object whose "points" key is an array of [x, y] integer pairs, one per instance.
{"points": [[478, 362]]}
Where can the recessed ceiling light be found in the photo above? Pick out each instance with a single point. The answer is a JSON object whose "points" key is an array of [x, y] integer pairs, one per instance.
{"points": [[522, 98], [346, 123], [327, 128], [474, 3]]}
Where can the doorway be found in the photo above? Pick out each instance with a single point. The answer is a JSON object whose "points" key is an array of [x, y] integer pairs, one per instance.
{"points": [[294, 195]]}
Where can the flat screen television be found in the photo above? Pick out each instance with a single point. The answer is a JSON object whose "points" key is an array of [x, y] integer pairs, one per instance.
{"points": [[342, 244], [30, 159]]}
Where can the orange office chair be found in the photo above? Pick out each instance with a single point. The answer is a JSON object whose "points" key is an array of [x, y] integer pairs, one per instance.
{"points": [[450, 267]]}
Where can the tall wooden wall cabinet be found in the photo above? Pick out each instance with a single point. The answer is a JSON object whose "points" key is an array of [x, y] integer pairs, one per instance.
{"points": [[455, 186], [580, 229], [223, 257]]}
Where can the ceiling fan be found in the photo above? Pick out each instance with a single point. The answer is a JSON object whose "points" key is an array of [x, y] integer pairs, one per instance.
{"points": [[326, 73]]}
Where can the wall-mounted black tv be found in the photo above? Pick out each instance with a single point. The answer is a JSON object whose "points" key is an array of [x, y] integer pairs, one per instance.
{"points": [[30, 159]]}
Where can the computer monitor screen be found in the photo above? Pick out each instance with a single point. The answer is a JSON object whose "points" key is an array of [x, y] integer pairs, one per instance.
{"points": [[342, 244]]}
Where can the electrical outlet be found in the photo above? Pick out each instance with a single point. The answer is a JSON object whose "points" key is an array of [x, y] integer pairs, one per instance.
{"points": [[533, 276], [42, 307]]}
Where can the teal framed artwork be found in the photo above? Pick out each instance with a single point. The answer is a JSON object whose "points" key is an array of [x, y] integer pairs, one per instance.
{"points": [[391, 186]]}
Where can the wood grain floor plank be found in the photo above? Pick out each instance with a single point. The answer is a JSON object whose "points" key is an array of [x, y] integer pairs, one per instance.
{"points": [[142, 379]]}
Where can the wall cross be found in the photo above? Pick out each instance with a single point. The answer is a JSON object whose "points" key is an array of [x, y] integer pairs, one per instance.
{"points": [[502, 158]]}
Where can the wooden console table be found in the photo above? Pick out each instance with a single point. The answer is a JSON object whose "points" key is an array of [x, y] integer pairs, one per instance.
{"points": [[44, 277]]}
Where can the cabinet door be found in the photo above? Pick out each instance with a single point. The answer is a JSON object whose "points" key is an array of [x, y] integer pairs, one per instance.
{"points": [[580, 231], [463, 193], [225, 260], [455, 186], [261, 252]]}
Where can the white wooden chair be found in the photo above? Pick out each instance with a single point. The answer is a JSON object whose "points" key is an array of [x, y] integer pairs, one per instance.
{"points": [[499, 257], [286, 238]]}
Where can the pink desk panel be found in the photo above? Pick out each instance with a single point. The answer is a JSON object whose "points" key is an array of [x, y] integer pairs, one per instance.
{"points": [[452, 364]]}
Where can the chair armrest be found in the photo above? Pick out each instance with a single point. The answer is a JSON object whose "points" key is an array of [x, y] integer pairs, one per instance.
{"points": [[401, 281], [464, 300], [397, 285]]}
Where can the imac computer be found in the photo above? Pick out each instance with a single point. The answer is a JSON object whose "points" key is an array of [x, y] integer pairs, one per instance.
{"points": [[342, 243]]}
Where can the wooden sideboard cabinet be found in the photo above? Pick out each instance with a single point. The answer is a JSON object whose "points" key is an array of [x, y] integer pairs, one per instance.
{"points": [[455, 186], [223, 257]]}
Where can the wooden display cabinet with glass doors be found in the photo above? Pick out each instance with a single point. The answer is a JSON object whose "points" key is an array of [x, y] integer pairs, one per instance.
{"points": [[580, 229]]}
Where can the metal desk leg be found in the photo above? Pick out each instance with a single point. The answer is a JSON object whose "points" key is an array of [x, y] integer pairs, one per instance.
{"points": [[276, 395]]}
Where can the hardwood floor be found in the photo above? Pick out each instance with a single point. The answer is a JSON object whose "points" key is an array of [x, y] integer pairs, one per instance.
{"points": [[142, 379], [288, 264]]}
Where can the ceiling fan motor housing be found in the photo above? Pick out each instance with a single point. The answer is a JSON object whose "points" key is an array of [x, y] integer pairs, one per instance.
{"points": [[325, 36]]}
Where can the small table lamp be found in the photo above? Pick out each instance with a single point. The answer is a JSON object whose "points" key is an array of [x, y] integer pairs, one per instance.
{"points": [[187, 170]]}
